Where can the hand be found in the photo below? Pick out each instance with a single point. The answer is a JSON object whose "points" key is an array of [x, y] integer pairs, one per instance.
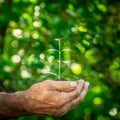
{"points": [[54, 98]]}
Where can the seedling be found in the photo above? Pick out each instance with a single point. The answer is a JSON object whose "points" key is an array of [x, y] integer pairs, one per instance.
{"points": [[59, 51]]}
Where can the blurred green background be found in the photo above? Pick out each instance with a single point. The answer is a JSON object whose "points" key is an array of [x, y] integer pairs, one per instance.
{"points": [[90, 28]]}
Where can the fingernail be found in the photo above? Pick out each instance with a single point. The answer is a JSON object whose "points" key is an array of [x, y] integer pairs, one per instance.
{"points": [[73, 84], [87, 83], [81, 81]]}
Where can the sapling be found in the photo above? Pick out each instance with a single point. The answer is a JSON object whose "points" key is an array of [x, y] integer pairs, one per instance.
{"points": [[60, 60], [59, 51]]}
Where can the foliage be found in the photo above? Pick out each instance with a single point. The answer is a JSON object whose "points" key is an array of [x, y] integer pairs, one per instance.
{"points": [[90, 28]]}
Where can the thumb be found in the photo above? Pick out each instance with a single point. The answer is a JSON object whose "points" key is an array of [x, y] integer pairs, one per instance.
{"points": [[63, 86]]}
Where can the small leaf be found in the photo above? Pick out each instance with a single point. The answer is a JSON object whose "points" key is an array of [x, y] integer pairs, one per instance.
{"points": [[67, 63], [51, 73], [66, 50], [57, 39], [53, 50], [57, 61]]}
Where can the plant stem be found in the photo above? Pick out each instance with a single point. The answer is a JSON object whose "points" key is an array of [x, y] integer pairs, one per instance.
{"points": [[59, 61]]}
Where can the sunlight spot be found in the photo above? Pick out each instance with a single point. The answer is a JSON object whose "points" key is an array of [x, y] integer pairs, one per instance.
{"points": [[96, 89], [97, 101], [7, 68], [82, 29], [42, 56], [15, 44], [74, 30], [13, 24], [26, 34], [46, 69], [76, 68], [21, 52], [16, 58], [90, 56], [35, 36], [113, 111], [17, 33], [36, 24], [85, 42], [102, 8], [37, 8], [36, 13], [31, 58], [50, 59], [25, 74], [42, 5]]}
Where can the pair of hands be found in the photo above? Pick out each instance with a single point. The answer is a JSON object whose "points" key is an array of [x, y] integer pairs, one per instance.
{"points": [[54, 98]]}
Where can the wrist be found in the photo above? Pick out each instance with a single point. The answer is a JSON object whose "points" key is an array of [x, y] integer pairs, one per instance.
{"points": [[12, 105], [20, 103]]}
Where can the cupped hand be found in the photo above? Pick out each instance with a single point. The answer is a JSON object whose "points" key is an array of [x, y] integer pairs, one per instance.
{"points": [[54, 98]]}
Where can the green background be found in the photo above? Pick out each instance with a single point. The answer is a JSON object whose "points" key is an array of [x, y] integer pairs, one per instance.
{"points": [[89, 28]]}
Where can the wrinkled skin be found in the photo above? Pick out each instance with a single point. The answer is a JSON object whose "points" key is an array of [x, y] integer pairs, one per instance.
{"points": [[54, 98], [50, 98]]}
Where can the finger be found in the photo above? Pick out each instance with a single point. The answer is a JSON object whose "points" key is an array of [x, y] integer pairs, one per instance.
{"points": [[75, 102], [63, 86], [67, 97], [83, 93], [81, 97]]}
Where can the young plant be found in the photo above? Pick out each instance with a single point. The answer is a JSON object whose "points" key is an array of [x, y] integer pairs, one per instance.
{"points": [[59, 51]]}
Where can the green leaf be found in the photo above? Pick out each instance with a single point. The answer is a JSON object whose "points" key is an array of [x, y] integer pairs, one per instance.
{"points": [[53, 50], [64, 50]]}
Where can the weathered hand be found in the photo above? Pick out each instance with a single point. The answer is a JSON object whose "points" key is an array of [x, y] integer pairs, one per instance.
{"points": [[54, 98]]}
